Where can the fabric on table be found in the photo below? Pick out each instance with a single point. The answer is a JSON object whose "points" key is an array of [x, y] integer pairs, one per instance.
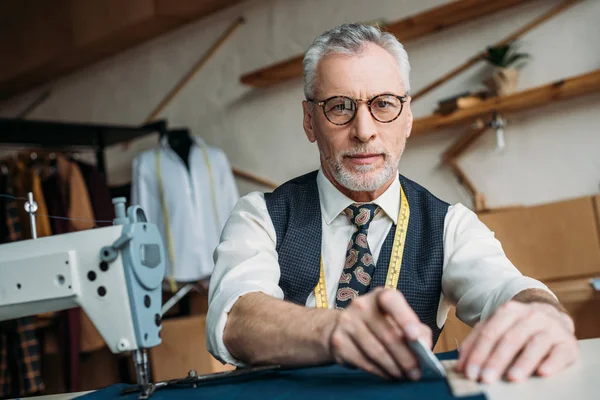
{"points": [[331, 382]]}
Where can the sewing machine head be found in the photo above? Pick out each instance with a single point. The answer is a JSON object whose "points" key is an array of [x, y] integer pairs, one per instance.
{"points": [[114, 274]]}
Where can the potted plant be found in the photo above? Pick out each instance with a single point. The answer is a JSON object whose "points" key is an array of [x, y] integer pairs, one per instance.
{"points": [[506, 61]]}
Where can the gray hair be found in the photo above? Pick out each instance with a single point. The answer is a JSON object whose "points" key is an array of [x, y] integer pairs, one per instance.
{"points": [[350, 39]]}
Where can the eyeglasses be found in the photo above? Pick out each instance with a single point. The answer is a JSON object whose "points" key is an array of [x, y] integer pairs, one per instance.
{"points": [[341, 110]]}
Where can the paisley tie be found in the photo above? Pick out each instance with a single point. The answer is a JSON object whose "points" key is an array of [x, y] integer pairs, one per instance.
{"points": [[359, 266]]}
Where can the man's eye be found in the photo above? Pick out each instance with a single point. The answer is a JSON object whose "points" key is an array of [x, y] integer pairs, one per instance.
{"points": [[382, 104], [339, 108]]}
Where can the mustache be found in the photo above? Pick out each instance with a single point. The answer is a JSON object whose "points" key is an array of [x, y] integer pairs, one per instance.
{"points": [[362, 149]]}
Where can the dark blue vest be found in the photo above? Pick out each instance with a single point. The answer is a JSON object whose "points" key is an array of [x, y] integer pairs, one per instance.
{"points": [[295, 210]]}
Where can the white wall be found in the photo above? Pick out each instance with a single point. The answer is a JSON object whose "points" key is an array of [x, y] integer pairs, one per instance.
{"points": [[552, 152]]}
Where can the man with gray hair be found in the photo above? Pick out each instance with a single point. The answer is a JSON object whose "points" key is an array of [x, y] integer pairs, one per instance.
{"points": [[348, 263]]}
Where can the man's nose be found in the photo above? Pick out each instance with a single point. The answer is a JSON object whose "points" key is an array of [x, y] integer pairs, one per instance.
{"points": [[364, 126]]}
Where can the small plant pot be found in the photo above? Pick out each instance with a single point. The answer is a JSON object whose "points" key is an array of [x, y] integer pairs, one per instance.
{"points": [[503, 81]]}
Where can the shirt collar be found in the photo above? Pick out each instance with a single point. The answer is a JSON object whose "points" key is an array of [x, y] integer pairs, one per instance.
{"points": [[163, 144], [334, 202], [164, 141]]}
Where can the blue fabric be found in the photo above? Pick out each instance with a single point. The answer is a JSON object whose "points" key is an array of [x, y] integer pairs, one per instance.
{"points": [[332, 382], [295, 211]]}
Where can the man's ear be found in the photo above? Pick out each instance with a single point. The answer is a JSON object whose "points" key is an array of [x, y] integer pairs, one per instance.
{"points": [[308, 121], [409, 118]]}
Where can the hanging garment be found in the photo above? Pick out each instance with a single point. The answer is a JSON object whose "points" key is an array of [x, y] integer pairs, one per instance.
{"points": [[20, 370], [76, 195], [56, 204], [195, 202], [3, 200], [66, 194], [103, 210], [99, 194]]}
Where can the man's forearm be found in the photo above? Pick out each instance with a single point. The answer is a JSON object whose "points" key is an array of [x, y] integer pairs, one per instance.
{"points": [[263, 330], [542, 296]]}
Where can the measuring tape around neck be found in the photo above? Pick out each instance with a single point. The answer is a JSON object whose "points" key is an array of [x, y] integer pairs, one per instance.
{"points": [[393, 274]]}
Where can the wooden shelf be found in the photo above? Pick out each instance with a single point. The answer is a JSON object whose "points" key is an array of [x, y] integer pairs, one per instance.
{"points": [[538, 96], [431, 21]]}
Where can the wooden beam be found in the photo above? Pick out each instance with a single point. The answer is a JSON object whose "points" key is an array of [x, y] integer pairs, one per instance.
{"points": [[481, 55], [479, 200], [274, 74], [463, 143], [451, 156], [191, 9], [195, 69], [254, 178], [560, 90], [446, 16], [431, 21]]}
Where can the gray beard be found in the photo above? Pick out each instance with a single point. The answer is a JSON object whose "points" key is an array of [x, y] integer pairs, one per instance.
{"points": [[361, 178]]}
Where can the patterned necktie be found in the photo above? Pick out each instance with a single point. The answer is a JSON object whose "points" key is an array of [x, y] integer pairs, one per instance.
{"points": [[359, 266]]}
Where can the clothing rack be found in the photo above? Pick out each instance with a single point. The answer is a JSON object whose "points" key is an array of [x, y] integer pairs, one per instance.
{"points": [[57, 136], [68, 136]]}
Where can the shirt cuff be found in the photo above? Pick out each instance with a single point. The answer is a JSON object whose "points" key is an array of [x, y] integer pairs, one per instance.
{"points": [[509, 290], [215, 326]]}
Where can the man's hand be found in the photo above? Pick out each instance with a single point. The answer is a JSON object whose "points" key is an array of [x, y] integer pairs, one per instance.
{"points": [[371, 334], [517, 341]]}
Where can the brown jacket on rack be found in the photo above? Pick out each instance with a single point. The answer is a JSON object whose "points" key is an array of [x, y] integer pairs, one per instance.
{"points": [[66, 194], [74, 191], [20, 371], [99, 194]]}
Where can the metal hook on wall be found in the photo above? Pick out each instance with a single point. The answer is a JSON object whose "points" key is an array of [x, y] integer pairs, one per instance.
{"points": [[498, 123]]}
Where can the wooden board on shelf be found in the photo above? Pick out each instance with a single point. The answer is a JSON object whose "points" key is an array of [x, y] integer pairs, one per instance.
{"points": [[559, 90], [597, 211], [582, 302], [552, 241], [431, 21]]}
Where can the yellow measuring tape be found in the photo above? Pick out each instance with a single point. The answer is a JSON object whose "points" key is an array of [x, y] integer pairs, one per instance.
{"points": [[165, 212], [213, 194], [393, 273]]}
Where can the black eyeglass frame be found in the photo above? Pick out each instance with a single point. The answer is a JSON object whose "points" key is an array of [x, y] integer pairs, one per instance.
{"points": [[322, 103]]}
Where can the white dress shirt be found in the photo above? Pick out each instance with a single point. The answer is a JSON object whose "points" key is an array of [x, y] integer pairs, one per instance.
{"points": [[195, 227], [477, 277]]}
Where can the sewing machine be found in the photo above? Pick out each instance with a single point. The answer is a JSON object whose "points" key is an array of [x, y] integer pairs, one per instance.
{"points": [[113, 273]]}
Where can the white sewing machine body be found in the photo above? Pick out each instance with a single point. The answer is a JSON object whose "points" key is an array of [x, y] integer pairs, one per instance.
{"points": [[114, 274]]}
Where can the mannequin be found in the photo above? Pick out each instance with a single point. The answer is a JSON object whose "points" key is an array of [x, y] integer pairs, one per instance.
{"points": [[181, 142]]}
